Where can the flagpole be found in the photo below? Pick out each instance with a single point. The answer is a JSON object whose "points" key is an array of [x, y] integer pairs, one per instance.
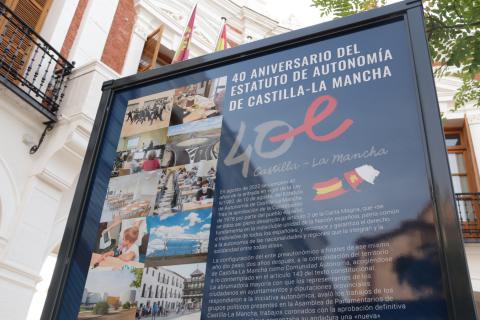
{"points": [[221, 43], [220, 31]]}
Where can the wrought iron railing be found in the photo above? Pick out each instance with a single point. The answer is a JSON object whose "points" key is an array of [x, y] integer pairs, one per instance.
{"points": [[468, 208], [30, 66]]}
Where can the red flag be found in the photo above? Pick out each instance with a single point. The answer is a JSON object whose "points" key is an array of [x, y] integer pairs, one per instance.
{"points": [[353, 179], [222, 38], [182, 51]]}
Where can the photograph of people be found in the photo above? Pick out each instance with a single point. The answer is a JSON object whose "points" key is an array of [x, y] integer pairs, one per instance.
{"points": [[198, 101], [141, 152], [186, 187], [193, 142], [178, 238], [204, 192], [148, 113], [119, 248], [171, 292], [130, 196]]}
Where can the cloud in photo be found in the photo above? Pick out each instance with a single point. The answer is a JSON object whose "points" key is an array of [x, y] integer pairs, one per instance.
{"points": [[187, 231], [193, 219]]}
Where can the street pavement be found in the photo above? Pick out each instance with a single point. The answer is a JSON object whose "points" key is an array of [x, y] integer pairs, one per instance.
{"points": [[122, 315], [191, 316]]}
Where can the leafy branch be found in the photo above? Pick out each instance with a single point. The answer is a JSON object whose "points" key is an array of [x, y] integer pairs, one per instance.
{"points": [[453, 32]]}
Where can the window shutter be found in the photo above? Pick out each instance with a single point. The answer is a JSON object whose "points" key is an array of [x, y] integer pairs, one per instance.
{"points": [[150, 50], [33, 13]]}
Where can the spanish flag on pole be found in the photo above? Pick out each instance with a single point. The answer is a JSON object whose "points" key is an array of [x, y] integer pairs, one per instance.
{"points": [[222, 38], [182, 51]]}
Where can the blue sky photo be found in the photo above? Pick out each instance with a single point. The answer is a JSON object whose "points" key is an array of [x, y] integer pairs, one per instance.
{"points": [[183, 233]]}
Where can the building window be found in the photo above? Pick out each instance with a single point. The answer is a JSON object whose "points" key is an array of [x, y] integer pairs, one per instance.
{"points": [[457, 160], [463, 170], [143, 290]]}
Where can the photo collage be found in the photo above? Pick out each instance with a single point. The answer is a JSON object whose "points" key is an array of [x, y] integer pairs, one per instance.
{"points": [[151, 248]]}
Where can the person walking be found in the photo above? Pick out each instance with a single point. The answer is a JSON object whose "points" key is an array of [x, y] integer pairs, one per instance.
{"points": [[154, 311]]}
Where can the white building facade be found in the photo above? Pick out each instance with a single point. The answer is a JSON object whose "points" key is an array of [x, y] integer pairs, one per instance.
{"points": [[160, 286], [109, 39]]}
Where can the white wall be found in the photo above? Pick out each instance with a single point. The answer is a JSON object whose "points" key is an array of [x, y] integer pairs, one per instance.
{"points": [[93, 32]]}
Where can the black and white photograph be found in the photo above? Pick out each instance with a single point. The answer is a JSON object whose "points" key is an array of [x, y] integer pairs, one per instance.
{"points": [[148, 113]]}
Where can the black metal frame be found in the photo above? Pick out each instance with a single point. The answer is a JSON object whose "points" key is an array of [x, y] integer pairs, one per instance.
{"points": [[455, 270]]}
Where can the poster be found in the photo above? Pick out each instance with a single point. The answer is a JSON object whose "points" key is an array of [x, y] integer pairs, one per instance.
{"points": [[292, 185], [150, 254]]}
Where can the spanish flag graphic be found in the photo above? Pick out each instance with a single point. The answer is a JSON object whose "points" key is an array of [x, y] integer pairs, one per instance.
{"points": [[329, 189], [351, 180], [182, 51]]}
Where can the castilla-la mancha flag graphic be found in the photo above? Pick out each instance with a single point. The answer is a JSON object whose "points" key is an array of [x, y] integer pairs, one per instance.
{"points": [[182, 51], [351, 181]]}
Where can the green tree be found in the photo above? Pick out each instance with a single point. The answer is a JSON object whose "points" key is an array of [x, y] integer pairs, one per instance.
{"points": [[138, 278], [453, 32], [100, 308]]}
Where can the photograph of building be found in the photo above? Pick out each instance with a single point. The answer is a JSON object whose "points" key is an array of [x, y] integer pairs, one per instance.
{"points": [[161, 292], [110, 294], [180, 238], [193, 289], [174, 292]]}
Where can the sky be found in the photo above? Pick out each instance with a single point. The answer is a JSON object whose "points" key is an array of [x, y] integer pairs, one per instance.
{"points": [[185, 270], [112, 282], [293, 14], [182, 225]]}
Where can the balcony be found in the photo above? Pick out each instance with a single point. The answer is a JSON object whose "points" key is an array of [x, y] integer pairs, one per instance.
{"points": [[30, 67], [468, 208]]}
